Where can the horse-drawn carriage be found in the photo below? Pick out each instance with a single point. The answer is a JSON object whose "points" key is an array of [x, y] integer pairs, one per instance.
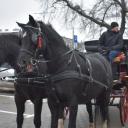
{"points": [[75, 77], [119, 93]]}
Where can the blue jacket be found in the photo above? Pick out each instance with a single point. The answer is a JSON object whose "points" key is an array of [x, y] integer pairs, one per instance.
{"points": [[111, 40]]}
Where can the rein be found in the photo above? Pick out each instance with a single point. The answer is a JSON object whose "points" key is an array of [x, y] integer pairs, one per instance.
{"points": [[58, 77], [26, 51], [74, 74], [56, 58]]}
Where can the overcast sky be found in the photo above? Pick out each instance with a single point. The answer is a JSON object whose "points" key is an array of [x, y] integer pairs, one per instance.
{"points": [[18, 10]]}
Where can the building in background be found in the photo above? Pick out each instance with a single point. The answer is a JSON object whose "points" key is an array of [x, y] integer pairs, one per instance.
{"points": [[9, 31], [69, 42]]}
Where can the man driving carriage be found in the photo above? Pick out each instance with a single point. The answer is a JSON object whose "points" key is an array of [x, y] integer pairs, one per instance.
{"points": [[111, 42]]}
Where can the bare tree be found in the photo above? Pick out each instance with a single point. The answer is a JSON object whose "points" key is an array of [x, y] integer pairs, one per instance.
{"points": [[98, 15]]}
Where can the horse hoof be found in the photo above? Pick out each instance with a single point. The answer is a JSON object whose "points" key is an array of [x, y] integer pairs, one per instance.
{"points": [[60, 123], [66, 112], [105, 124], [91, 125]]}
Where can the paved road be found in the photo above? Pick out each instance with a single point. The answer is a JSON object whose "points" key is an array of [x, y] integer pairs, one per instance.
{"points": [[8, 114], [6, 86]]}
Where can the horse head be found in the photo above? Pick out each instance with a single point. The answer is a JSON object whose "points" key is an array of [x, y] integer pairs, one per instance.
{"points": [[40, 38], [32, 42]]}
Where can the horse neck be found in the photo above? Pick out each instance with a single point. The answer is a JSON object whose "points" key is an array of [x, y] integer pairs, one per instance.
{"points": [[56, 54], [55, 46]]}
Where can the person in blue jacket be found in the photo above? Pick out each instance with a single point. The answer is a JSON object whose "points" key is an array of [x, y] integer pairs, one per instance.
{"points": [[111, 41]]}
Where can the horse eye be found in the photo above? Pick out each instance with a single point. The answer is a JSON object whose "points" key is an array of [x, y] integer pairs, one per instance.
{"points": [[36, 33]]}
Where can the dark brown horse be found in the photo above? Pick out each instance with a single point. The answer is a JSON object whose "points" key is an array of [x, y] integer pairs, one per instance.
{"points": [[9, 50]]}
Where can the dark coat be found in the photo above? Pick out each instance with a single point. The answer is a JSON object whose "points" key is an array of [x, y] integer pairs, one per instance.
{"points": [[111, 40]]}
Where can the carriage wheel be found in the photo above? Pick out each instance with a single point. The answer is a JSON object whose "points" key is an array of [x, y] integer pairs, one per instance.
{"points": [[97, 117], [124, 109], [121, 111]]}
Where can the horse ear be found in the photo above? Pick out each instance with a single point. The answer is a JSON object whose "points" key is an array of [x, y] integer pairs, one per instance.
{"points": [[21, 25], [32, 21]]}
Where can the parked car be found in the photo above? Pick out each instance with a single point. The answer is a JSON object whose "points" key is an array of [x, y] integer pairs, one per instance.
{"points": [[7, 74]]}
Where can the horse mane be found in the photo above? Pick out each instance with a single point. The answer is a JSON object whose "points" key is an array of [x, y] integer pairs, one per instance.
{"points": [[52, 35]]}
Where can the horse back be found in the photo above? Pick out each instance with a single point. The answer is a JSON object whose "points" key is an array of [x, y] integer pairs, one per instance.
{"points": [[100, 64]]}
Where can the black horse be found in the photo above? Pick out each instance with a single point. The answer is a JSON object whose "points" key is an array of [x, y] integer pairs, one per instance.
{"points": [[9, 50], [61, 116], [76, 77]]}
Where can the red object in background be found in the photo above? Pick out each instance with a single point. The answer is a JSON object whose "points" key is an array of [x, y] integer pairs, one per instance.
{"points": [[124, 104], [120, 57], [122, 71]]}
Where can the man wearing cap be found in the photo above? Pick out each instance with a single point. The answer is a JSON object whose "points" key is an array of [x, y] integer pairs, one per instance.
{"points": [[111, 41]]}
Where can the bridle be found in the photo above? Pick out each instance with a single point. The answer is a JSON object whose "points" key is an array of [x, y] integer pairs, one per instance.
{"points": [[37, 38]]}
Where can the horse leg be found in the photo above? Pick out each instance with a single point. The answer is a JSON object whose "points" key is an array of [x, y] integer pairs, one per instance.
{"points": [[72, 116], [66, 112], [20, 105], [61, 117], [104, 110], [89, 110], [60, 123], [37, 112], [104, 115], [54, 109]]}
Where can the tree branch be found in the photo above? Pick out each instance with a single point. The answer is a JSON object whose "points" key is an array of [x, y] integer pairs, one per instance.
{"points": [[118, 2], [98, 14], [82, 13], [123, 16]]}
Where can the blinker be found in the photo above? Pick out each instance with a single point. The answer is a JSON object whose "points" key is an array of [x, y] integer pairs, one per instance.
{"points": [[34, 38]]}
